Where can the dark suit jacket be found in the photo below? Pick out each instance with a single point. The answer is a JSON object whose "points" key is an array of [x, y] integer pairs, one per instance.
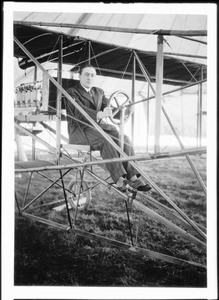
{"points": [[91, 105]]}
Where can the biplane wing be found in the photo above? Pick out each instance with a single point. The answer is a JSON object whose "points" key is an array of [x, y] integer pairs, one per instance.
{"points": [[112, 59]]}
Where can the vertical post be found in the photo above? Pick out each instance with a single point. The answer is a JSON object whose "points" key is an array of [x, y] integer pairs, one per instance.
{"points": [[159, 82], [146, 110], [89, 52], [35, 75], [33, 149], [33, 140], [58, 103], [200, 110], [121, 128], [147, 119], [20, 149], [133, 99]]}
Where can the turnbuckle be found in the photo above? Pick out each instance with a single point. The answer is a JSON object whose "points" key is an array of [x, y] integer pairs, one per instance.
{"points": [[131, 195]]}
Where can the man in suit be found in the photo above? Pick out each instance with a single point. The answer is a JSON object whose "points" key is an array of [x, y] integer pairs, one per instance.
{"points": [[95, 104]]}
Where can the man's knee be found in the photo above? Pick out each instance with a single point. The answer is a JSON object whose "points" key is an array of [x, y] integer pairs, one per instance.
{"points": [[127, 140]]}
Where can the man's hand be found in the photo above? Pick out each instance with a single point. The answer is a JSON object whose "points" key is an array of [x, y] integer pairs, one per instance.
{"points": [[107, 112], [131, 109]]}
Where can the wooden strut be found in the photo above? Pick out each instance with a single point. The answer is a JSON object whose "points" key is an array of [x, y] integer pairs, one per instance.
{"points": [[117, 29], [66, 201], [169, 92], [144, 157], [158, 94], [58, 102], [146, 252], [79, 193], [129, 222], [133, 98], [109, 139], [172, 214], [27, 189]]}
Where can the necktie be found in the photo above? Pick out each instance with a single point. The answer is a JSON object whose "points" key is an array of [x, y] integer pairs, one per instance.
{"points": [[90, 92]]}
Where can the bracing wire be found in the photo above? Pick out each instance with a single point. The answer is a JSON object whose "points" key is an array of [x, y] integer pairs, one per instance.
{"points": [[50, 134], [40, 149], [95, 57], [182, 62], [84, 48], [48, 59], [123, 74], [35, 37], [100, 54]]}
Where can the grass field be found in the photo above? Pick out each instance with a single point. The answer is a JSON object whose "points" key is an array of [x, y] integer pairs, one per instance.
{"points": [[51, 257]]}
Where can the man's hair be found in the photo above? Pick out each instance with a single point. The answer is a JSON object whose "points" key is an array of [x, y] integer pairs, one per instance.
{"points": [[79, 69], [82, 67]]}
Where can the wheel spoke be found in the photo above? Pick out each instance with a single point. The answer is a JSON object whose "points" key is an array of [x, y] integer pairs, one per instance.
{"points": [[120, 99]]}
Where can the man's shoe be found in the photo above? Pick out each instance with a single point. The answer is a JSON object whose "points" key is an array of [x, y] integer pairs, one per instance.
{"points": [[139, 185], [123, 187]]}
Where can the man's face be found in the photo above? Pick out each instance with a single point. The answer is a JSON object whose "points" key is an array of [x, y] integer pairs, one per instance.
{"points": [[87, 77]]}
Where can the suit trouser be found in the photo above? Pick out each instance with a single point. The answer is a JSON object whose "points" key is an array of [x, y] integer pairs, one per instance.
{"points": [[107, 151]]}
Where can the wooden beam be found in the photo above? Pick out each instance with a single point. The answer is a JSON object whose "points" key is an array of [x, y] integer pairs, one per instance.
{"points": [[133, 98], [147, 118], [20, 149], [89, 52], [194, 40], [34, 118], [47, 222], [199, 115], [148, 253], [143, 157], [172, 214], [144, 251], [58, 102], [168, 223], [116, 29], [158, 93], [171, 91]]}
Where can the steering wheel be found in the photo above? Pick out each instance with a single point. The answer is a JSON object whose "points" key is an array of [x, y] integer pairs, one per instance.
{"points": [[117, 101]]}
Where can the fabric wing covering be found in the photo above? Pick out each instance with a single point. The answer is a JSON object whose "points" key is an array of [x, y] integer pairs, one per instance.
{"points": [[110, 60]]}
